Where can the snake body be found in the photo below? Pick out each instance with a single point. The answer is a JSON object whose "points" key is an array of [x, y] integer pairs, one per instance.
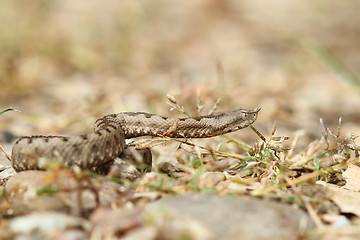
{"points": [[95, 150]]}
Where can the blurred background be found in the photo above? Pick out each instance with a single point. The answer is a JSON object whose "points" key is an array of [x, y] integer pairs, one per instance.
{"points": [[65, 63]]}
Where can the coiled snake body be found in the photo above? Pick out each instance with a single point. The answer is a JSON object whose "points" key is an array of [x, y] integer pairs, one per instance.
{"points": [[95, 150]]}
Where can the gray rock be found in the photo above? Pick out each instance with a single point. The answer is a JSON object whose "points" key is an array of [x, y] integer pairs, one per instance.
{"points": [[229, 217]]}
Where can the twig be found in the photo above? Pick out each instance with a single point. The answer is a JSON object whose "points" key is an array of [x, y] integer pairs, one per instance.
{"points": [[205, 148], [3, 151]]}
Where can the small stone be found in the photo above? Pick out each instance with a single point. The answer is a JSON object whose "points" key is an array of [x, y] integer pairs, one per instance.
{"points": [[143, 233], [46, 223], [210, 179], [115, 222]]}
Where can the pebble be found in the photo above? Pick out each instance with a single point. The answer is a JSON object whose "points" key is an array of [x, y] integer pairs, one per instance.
{"points": [[114, 222], [49, 225]]}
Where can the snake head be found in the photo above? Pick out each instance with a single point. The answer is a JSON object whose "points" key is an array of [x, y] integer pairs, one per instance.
{"points": [[241, 118]]}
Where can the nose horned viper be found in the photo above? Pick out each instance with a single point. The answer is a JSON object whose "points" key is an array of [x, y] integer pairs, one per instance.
{"points": [[94, 150]]}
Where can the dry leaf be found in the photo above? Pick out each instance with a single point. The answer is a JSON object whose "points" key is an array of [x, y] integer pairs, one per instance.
{"points": [[351, 176], [347, 200]]}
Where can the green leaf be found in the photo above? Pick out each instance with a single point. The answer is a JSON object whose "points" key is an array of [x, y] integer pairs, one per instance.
{"points": [[197, 163], [196, 177], [48, 189], [316, 163], [9, 109]]}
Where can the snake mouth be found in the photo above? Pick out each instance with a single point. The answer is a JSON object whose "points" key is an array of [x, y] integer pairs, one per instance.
{"points": [[256, 110]]}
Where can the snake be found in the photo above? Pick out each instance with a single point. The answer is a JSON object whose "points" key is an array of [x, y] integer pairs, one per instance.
{"points": [[96, 150]]}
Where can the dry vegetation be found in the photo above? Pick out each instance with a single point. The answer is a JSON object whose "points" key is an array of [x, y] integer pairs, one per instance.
{"points": [[65, 63]]}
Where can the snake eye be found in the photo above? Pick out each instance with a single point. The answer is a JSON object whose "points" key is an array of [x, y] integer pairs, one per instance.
{"points": [[244, 115]]}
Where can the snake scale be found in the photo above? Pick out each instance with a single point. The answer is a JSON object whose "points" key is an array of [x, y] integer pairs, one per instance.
{"points": [[95, 150]]}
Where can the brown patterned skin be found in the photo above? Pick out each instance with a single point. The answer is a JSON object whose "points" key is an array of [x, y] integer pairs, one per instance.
{"points": [[97, 150]]}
